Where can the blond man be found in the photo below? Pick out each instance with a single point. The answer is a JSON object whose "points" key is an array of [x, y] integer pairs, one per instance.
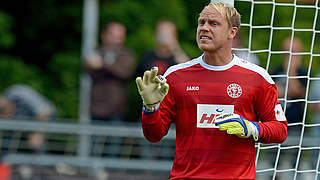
{"points": [[221, 104]]}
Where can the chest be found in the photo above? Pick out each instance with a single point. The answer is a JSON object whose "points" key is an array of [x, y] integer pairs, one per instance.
{"points": [[215, 88], [200, 97]]}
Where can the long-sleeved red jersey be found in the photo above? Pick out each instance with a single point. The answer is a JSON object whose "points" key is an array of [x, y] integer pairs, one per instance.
{"points": [[197, 93]]}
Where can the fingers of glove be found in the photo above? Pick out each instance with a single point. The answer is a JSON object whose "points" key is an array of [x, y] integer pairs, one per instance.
{"points": [[222, 118], [238, 131], [139, 84], [160, 79], [146, 77], [164, 89], [153, 74], [229, 125]]}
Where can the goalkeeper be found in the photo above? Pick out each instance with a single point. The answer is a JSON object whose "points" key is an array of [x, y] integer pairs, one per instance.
{"points": [[221, 104]]}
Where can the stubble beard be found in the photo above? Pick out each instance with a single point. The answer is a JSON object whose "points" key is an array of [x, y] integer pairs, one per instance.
{"points": [[208, 48]]}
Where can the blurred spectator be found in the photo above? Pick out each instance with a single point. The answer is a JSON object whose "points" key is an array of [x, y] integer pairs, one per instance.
{"points": [[244, 54], [22, 101], [296, 86], [315, 107], [296, 90], [110, 67], [167, 52]]}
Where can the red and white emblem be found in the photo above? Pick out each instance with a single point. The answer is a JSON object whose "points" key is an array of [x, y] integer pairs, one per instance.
{"points": [[234, 90]]}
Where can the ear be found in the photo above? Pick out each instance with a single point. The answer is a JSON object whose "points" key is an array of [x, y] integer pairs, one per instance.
{"points": [[232, 32]]}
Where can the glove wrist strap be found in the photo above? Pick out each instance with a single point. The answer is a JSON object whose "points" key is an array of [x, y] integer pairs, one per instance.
{"points": [[255, 130], [148, 109]]}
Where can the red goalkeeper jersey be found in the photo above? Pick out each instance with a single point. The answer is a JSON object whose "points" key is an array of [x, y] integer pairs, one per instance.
{"points": [[198, 92]]}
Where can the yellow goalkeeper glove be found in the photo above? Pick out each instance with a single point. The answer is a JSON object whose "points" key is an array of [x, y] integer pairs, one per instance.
{"points": [[152, 89], [235, 124]]}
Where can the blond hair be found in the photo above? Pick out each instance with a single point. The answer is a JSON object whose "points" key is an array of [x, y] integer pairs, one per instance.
{"points": [[231, 13]]}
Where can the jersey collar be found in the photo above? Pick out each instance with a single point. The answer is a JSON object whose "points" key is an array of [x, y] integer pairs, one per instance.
{"points": [[218, 68]]}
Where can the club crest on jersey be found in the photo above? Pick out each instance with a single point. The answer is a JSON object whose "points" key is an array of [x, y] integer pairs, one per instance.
{"points": [[206, 114], [234, 90]]}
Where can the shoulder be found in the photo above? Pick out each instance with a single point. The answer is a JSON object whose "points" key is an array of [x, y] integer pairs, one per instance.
{"points": [[18, 89], [181, 66], [21, 92], [253, 68]]}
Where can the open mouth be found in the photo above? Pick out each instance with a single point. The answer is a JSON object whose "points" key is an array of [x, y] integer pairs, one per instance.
{"points": [[203, 37]]}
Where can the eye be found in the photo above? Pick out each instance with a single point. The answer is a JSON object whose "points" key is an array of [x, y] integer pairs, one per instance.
{"points": [[201, 22], [213, 23]]}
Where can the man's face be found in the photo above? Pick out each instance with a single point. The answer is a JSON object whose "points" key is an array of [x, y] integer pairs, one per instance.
{"points": [[115, 35], [213, 30]]}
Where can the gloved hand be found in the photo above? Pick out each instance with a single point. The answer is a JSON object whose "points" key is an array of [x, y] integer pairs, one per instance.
{"points": [[235, 124], [152, 89]]}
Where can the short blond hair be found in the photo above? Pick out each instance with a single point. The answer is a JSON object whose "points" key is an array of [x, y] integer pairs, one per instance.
{"points": [[232, 15]]}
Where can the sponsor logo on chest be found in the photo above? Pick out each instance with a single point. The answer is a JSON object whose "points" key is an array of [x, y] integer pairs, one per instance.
{"points": [[206, 114]]}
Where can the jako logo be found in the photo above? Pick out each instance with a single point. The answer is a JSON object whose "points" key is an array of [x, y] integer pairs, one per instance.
{"points": [[193, 88], [206, 114]]}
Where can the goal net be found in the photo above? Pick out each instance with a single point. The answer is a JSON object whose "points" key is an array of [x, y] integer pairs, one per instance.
{"points": [[283, 37]]}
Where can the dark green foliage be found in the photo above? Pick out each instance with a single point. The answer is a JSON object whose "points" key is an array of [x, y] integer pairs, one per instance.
{"points": [[65, 69], [6, 36], [14, 70]]}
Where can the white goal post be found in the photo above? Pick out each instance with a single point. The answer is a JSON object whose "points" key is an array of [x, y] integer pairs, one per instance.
{"points": [[265, 26]]}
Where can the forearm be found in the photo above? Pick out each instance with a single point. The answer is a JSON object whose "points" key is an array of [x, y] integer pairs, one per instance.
{"points": [[123, 66], [153, 127], [93, 63], [273, 131]]}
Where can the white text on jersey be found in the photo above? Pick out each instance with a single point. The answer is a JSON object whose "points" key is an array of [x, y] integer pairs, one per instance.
{"points": [[193, 88]]}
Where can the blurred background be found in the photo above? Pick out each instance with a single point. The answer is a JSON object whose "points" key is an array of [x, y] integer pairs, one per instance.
{"points": [[44, 49]]}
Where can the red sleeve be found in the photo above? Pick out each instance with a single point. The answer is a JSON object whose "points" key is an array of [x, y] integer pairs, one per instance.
{"points": [[156, 125], [273, 126]]}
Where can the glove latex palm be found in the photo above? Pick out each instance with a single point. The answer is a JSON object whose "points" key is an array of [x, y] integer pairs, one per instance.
{"points": [[152, 89]]}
